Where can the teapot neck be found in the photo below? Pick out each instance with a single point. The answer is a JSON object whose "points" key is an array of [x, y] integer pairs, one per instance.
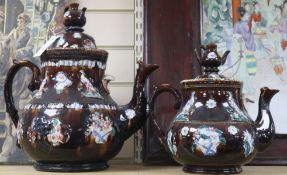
{"points": [[93, 73], [211, 70], [74, 29]]}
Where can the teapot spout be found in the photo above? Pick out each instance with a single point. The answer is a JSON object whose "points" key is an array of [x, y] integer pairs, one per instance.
{"points": [[133, 114], [224, 57], [264, 123]]}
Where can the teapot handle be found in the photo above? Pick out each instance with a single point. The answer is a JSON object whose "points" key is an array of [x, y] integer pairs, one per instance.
{"points": [[157, 91], [8, 92]]}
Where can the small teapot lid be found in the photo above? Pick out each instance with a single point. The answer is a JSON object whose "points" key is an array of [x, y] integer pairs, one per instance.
{"points": [[73, 42], [210, 61]]}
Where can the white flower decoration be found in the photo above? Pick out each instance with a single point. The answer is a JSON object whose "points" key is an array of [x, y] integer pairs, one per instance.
{"points": [[198, 104], [62, 81], [211, 104], [233, 130], [130, 113], [184, 131], [75, 106], [192, 130], [169, 135], [51, 112], [225, 104]]}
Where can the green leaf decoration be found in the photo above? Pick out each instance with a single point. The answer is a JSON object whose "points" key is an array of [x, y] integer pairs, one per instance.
{"points": [[204, 136], [222, 140], [193, 148]]}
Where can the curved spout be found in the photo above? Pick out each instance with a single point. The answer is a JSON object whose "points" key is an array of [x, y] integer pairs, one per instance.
{"points": [[265, 128], [83, 12], [224, 57], [133, 115]]}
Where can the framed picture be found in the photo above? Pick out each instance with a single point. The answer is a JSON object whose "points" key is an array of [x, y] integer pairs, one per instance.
{"points": [[24, 27], [169, 42], [256, 34]]}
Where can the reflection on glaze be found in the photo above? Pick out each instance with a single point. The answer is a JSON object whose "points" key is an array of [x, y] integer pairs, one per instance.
{"points": [[248, 143], [89, 90], [41, 89], [183, 115], [170, 142], [207, 139], [20, 131], [61, 41], [122, 118], [101, 128], [184, 131], [233, 130], [62, 82], [77, 35], [225, 104]]}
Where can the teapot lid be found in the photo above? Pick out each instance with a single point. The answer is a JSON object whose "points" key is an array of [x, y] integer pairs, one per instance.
{"points": [[210, 61], [73, 43]]}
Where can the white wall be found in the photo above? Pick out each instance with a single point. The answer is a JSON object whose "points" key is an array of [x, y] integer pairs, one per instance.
{"points": [[111, 23]]}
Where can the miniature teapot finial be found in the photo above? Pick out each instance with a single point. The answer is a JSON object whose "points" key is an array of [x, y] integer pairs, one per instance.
{"points": [[210, 59], [74, 19]]}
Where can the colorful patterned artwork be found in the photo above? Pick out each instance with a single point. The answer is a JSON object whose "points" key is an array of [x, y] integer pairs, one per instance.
{"points": [[207, 139], [101, 128], [89, 90], [62, 82], [256, 34], [24, 27], [248, 143], [57, 133]]}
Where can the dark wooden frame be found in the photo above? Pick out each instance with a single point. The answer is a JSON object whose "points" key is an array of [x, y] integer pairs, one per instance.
{"points": [[172, 30], [171, 33]]}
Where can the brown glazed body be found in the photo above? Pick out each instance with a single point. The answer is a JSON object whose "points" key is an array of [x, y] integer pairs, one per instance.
{"points": [[72, 123], [212, 132]]}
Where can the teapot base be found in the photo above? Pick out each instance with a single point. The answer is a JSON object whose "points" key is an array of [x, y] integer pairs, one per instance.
{"points": [[212, 169], [70, 166]]}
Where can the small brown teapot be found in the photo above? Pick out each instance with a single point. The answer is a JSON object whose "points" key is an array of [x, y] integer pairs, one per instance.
{"points": [[72, 123], [212, 132]]}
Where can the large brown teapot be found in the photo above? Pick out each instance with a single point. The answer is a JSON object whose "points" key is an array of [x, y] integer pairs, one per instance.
{"points": [[212, 132], [72, 123]]}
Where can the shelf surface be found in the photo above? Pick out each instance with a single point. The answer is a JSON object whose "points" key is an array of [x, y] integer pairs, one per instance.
{"points": [[140, 170]]}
